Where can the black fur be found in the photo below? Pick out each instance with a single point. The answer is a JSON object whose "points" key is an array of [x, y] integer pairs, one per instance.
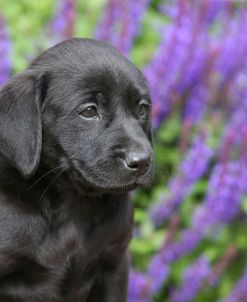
{"points": [[75, 138]]}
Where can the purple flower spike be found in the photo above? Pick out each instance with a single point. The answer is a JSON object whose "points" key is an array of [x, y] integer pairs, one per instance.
{"points": [[239, 293], [110, 16], [191, 169], [139, 288], [196, 103], [157, 273], [193, 279], [188, 241], [5, 48], [120, 23], [221, 205], [64, 21]]}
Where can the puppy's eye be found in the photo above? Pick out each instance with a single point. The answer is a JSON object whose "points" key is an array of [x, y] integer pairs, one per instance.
{"points": [[89, 112], [143, 110]]}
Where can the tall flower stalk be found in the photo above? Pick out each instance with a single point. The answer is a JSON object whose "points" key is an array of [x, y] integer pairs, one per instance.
{"points": [[5, 49], [193, 279], [191, 170], [120, 23], [63, 25], [239, 292]]}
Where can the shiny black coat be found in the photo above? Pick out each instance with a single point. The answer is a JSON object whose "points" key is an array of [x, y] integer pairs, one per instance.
{"points": [[75, 138]]}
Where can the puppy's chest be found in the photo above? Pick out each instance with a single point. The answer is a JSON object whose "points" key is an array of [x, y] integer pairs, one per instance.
{"points": [[77, 243], [77, 253]]}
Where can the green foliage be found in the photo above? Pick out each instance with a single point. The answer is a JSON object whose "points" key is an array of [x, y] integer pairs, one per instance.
{"points": [[29, 21], [26, 20]]}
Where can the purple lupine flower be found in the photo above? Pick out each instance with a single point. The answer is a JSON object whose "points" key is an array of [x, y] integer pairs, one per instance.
{"points": [[64, 21], [197, 100], [213, 211], [194, 68], [157, 273], [215, 9], [110, 17], [139, 287], [195, 56], [163, 69], [189, 239], [193, 279], [235, 130], [197, 159], [120, 23], [191, 169], [211, 9], [221, 205], [186, 40], [169, 9], [239, 293], [231, 58], [131, 21], [5, 48], [143, 285]]}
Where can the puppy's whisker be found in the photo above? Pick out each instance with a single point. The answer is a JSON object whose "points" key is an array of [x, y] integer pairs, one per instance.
{"points": [[50, 183], [44, 175]]}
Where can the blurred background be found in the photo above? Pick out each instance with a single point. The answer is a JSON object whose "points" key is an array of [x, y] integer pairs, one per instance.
{"points": [[190, 236]]}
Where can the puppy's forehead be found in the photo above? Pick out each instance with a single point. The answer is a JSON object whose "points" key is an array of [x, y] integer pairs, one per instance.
{"points": [[92, 64], [110, 78]]}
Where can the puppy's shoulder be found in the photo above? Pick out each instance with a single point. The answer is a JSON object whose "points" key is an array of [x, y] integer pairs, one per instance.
{"points": [[18, 218]]}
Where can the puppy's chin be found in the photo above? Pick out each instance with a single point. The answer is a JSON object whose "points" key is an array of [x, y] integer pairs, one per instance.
{"points": [[94, 190], [86, 186], [93, 183]]}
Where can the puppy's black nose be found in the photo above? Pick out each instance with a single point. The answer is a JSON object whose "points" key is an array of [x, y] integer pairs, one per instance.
{"points": [[138, 162]]}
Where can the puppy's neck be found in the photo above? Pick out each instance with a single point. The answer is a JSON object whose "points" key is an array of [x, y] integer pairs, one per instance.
{"points": [[49, 188]]}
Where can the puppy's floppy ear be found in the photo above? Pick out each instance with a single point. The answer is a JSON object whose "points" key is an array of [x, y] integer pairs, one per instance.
{"points": [[20, 123]]}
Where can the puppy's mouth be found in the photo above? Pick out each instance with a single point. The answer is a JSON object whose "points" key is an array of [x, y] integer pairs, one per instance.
{"points": [[85, 183], [90, 183]]}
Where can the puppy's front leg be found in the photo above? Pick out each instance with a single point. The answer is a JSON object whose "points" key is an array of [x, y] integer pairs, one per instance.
{"points": [[112, 285]]}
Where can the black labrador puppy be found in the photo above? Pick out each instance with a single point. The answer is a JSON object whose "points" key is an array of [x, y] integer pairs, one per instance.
{"points": [[75, 138]]}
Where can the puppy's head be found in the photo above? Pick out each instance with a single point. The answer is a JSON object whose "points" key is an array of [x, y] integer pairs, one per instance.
{"points": [[83, 107]]}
